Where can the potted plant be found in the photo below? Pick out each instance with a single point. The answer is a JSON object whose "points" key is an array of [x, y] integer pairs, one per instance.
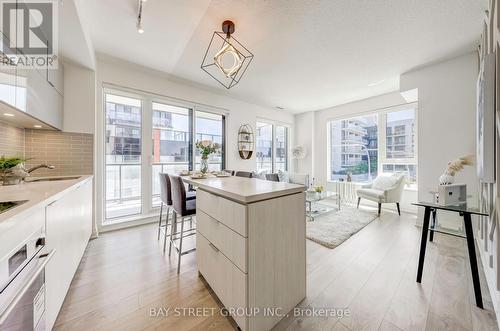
{"points": [[12, 170], [206, 147]]}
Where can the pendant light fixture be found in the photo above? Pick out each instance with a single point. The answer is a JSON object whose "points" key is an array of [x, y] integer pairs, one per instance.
{"points": [[226, 60]]}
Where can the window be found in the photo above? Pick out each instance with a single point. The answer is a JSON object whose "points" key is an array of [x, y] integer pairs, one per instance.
{"points": [[171, 142], [123, 156], [368, 145], [400, 152], [271, 147], [353, 148], [210, 127], [132, 187]]}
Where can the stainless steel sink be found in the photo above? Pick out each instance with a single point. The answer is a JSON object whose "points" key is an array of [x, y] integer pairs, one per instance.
{"points": [[51, 179]]}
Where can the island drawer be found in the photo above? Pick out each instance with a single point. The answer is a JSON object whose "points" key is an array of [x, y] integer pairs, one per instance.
{"points": [[227, 281], [228, 212], [230, 243]]}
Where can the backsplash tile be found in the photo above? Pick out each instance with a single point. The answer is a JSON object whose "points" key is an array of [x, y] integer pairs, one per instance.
{"points": [[11, 140], [70, 153]]}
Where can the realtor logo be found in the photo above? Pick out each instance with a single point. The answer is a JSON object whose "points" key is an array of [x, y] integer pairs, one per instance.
{"points": [[30, 32]]}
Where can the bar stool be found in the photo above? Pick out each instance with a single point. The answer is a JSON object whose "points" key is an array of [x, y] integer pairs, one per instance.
{"points": [[184, 209], [166, 200]]}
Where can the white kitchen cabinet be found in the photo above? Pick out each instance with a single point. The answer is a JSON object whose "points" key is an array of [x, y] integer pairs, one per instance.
{"points": [[68, 228], [7, 81], [38, 98], [56, 78]]}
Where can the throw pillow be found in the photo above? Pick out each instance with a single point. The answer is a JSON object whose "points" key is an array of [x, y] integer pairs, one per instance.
{"points": [[384, 182]]}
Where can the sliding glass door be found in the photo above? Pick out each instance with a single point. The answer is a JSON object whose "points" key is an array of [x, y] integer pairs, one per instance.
{"points": [[123, 156], [210, 127], [171, 142], [145, 136]]}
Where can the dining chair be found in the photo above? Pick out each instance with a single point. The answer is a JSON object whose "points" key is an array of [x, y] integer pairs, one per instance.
{"points": [[273, 177], [166, 201], [245, 174]]}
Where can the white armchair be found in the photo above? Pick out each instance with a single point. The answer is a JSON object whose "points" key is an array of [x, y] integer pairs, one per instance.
{"points": [[384, 189]]}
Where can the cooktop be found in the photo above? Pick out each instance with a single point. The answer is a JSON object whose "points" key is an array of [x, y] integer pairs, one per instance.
{"points": [[7, 205]]}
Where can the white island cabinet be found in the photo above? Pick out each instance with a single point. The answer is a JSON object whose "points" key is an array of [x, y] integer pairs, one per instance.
{"points": [[68, 229], [251, 246]]}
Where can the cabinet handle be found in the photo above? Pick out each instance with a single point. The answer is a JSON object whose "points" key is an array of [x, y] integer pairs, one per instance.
{"points": [[213, 247]]}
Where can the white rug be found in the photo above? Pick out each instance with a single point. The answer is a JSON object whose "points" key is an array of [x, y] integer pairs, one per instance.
{"points": [[332, 229]]}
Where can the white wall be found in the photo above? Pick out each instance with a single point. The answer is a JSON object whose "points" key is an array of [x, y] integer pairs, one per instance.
{"points": [[79, 99], [446, 119], [304, 136]]}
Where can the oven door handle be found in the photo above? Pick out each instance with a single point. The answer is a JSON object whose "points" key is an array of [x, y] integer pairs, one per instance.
{"points": [[43, 259]]}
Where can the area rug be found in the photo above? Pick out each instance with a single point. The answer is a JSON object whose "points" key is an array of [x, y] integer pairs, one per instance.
{"points": [[334, 228]]}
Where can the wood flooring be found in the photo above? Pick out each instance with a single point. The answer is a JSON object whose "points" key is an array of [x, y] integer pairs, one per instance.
{"points": [[124, 280]]}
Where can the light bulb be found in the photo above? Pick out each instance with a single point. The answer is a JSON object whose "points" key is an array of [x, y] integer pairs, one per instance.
{"points": [[140, 29], [237, 60]]}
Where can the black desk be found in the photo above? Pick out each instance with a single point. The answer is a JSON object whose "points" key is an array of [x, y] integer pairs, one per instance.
{"points": [[466, 212]]}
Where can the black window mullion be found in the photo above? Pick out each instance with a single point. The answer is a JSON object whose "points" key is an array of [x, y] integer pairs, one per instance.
{"points": [[223, 147], [191, 141]]}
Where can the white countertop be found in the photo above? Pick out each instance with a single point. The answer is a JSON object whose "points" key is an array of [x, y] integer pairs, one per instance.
{"points": [[245, 190], [38, 194]]}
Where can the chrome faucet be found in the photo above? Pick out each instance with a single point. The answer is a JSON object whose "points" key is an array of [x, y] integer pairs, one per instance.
{"points": [[30, 170]]}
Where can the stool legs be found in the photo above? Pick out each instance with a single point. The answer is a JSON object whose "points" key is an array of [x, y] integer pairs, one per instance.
{"points": [[172, 231], [180, 245], [159, 222]]}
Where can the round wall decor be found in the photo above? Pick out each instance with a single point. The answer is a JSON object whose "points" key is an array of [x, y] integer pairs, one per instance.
{"points": [[245, 141]]}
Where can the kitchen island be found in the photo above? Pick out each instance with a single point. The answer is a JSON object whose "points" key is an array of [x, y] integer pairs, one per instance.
{"points": [[251, 246]]}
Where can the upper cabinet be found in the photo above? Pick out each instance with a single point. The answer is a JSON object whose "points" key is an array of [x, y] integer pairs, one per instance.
{"points": [[7, 78], [35, 91]]}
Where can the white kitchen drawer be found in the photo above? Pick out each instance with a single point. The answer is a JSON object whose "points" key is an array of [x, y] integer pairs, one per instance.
{"points": [[230, 213], [230, 243], [223, 276]]}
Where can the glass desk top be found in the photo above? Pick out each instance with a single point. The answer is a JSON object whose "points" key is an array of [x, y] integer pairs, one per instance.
{"points": [[460, 208]]}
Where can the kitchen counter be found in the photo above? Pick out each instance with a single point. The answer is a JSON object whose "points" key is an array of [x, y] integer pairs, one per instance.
{"points": [[61, 210], [245, 190], [38, 194]]}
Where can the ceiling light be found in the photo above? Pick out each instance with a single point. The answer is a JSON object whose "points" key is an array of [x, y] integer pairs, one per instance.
{"points": [[376, 83], [36, 126], [139, 26], [140, 29], [230, 59], [8, 115]]}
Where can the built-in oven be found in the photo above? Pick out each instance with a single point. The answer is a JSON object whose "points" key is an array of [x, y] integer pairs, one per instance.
{"points": [[22, 285]]}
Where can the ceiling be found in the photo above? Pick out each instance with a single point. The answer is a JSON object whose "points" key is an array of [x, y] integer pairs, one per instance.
{"points": [[309, 54]]}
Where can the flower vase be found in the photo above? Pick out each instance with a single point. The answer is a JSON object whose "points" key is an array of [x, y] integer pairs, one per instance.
{"points": [[204, 165], [446, 179]]}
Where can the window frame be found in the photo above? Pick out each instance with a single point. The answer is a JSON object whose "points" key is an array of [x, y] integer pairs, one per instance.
{"points": [[148, 210], [381, 137], [273, 125]]}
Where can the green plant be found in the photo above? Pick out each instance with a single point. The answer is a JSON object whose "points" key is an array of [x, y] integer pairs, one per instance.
{"points": [[7, 163], [206, 148]]}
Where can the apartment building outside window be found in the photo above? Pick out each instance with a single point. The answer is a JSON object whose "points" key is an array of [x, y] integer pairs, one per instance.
{"points": [[368, 145], [133, 161]]}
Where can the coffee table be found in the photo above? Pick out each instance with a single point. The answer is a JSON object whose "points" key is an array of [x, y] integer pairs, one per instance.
{"points": [[317, 198]]}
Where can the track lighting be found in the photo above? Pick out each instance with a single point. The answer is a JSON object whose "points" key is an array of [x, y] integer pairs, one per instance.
{"points": [[139, 26]]}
